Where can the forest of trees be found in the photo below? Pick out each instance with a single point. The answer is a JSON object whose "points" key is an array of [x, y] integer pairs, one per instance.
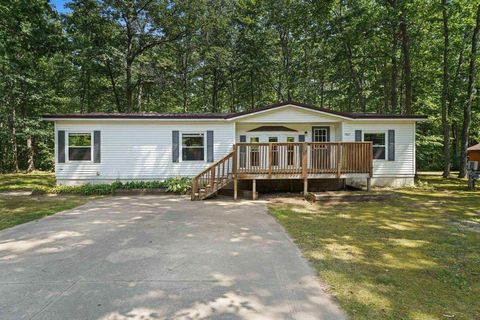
{"points": [[387, 56]]}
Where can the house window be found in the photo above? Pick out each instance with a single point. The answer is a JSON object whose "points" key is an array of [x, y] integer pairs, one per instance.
{"points": [[378, 141], [79, 146], [193, 147], [320, 134]]}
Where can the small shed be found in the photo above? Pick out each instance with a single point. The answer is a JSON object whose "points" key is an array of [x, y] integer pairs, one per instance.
{"points": [[474, 153]]}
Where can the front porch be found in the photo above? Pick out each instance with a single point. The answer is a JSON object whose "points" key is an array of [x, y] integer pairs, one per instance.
{"points": [[284, 160]]}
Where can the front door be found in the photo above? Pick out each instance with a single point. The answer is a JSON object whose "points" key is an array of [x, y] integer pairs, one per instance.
{"points": [[320, 153], [274, 150]]}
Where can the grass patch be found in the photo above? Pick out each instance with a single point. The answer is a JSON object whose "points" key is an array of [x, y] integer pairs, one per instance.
{"points": [[20, 209], [26, 181], [413, 257]]}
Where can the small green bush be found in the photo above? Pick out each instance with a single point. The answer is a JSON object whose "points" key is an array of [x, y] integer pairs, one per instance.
{"points": [[173, 185], [178, 185]]}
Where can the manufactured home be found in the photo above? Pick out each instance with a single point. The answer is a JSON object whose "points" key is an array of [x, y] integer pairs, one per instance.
{"points": [[284, 141]]}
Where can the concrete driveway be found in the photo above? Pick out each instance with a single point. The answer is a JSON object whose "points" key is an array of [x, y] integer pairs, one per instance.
{"points": [[158, 257]]}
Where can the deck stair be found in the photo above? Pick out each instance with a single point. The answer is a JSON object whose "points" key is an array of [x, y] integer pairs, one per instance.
{"points": [[217, 176], [305, 160]]}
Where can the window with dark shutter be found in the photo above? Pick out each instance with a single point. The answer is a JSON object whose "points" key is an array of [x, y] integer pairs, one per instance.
{"points": [[378, 142], [391, 145], [175, 146], [79, 146], [193, 147], [61, 146], [210, 155], [96, 147]]}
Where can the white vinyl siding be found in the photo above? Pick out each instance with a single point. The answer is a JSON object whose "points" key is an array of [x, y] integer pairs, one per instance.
{"points": [[404, 164], [142, 149], [134, 150], [289, 114]]}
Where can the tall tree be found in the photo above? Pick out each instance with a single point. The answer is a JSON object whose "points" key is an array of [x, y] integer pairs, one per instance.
{"points": [[472, 77], [444, 99], [407, 68]]}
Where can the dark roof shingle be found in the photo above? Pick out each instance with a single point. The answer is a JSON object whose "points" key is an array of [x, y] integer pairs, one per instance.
{"points": [[154, 115]]}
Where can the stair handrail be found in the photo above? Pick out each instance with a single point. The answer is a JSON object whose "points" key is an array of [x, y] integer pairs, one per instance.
{"points": [[195, 179]]}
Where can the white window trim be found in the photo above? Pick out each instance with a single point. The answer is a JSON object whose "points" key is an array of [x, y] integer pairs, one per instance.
{"points": [[386, 142], [204, 146], [67, 145], [329, 130]]}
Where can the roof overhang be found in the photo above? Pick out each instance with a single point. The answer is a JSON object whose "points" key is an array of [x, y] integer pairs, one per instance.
{"points": [[475, 147], [326, 112], [348, 116], [241, 115]]}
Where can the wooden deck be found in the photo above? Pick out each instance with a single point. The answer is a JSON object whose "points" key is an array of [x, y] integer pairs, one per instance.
{"points": [[302, 160], [307, 160]]}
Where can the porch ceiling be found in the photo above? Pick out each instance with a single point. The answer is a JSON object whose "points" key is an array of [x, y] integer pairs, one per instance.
{"points": [[272, 128]]}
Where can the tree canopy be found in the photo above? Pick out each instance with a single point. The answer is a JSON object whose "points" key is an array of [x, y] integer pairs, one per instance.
{"points": [[385, 56]]}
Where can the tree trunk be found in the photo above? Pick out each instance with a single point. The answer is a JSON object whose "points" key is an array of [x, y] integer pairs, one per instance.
{"points": [[128, 85], [394, 74], [215, 89], [444, 99], [14, 141], [140, 95], [30, 155], [114, 86], [455, 144], [467, 112], [406, 64], [322, 92], [356, 79]]}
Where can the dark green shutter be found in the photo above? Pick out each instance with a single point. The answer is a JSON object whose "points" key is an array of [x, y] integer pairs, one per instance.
{"points": [[96, 147], [210, 156], [301, 138], [358, 135], [61, 146], [391, 145], [175, 146], [243, 138]]}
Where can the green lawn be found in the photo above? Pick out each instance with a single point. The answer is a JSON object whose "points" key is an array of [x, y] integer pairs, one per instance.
{"points": [[413, 257], [20, 209], [26, 181]]}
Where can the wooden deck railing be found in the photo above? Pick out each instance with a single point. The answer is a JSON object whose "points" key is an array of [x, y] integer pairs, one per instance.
{"points": [[303, 159], [214, 177], [284, 161]]}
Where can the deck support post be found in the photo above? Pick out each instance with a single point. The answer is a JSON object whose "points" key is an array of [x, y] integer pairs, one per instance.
{"points": [[369, 184], [305, 186], [254, 189], [235, 189]]}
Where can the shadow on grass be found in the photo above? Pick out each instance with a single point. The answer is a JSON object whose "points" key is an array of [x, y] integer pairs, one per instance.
{"points": [[400, 259], [26, 181]]}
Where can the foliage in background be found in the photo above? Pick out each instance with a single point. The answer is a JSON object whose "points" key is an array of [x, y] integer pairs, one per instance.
{"points": [[213, 56], [429, 152]]}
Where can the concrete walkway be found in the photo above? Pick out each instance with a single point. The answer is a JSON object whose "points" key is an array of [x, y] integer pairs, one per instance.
{"points": [[157, 257]]}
